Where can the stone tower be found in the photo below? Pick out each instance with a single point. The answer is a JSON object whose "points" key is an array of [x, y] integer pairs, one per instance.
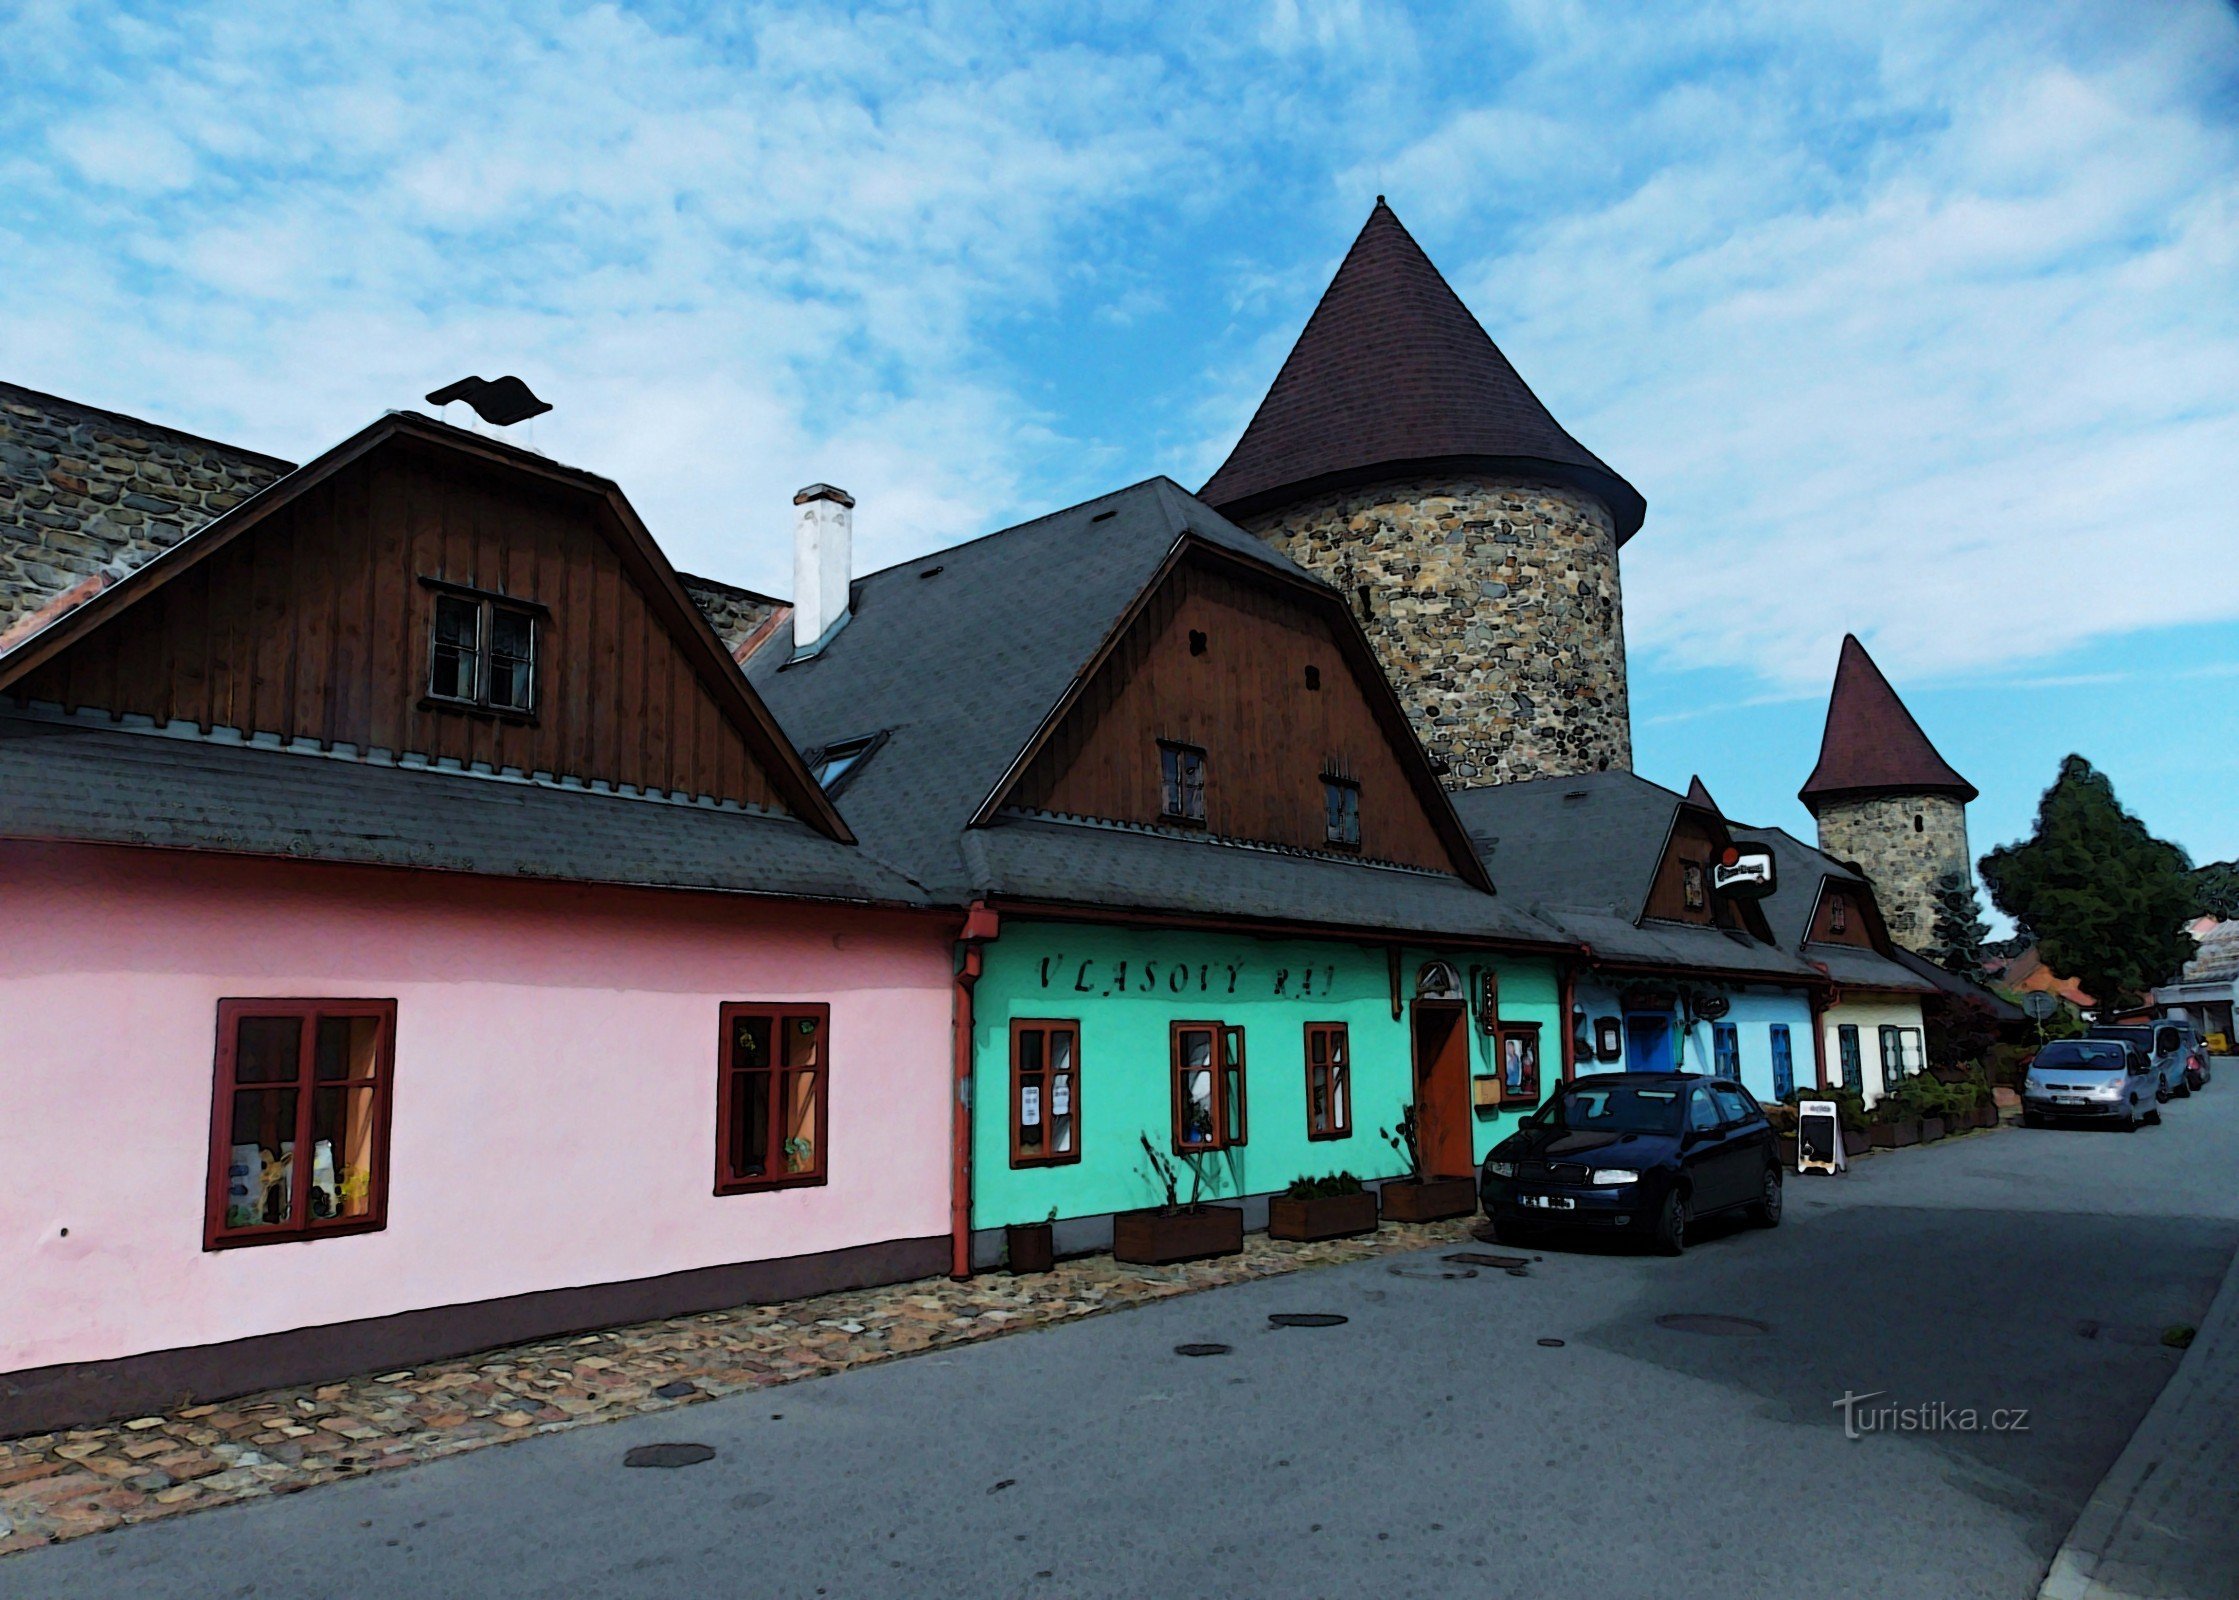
{"points": [[1885, 799], [1400, 457]]}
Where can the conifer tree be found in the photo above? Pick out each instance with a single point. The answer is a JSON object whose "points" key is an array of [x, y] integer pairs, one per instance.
{"points": [[2106, 901], [1956, 935]]}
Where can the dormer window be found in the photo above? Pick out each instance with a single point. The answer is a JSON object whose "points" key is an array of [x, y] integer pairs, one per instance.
{"points": [[483, 653], [1181, 783], [1691, 885], [1838, 914], [836, 763], [1341, 813]]}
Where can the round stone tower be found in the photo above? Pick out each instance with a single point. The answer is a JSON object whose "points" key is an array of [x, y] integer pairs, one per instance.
{"points": [[1886, 800], [1400, 457]]}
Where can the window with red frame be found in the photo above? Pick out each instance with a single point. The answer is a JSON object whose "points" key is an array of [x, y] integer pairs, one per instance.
{"points": [[1045, 1110], [1329, 1081], [1208, 1087], [772, 1097], [299, 1132], [1519, 1061]]}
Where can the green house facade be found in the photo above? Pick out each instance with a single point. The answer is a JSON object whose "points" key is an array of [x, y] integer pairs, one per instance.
{"points": [[1099, 1007]]}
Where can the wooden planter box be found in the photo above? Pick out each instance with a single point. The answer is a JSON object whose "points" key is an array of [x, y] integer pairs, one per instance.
{"points": [[1429, 1199], [1153, 1237], [1855, 1142], [1324, 1216], [1030, 1247], [1892, 1135], [1931, 1129]]}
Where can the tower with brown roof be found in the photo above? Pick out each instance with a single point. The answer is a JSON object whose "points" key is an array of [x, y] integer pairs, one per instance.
{"points": [[1400, 457], [1885, 799]]}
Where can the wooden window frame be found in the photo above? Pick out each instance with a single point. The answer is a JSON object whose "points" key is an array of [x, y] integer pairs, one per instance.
{"points": [[728, 1181], [487, 603], [1178, 790], [1021, 1157], [1335, 840], [1530, 1092], [1838, 914], [302, 1227], [1337, 1070], [1222, 1139], [1850, 1063], [1780, 1040], [1694, 886]]}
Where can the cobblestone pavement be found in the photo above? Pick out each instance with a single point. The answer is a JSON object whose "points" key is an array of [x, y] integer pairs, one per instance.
{"points": [[56, 1486]]}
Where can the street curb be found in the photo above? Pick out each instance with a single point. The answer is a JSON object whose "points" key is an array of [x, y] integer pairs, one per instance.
{"points": [[2178, 1430]]}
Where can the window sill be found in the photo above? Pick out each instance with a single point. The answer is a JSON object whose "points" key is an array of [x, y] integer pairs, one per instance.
{"points": [[1325, 1138], [469, 708], [1023, 1163], [241, 1240], [1167, 819], [758, 1185]]}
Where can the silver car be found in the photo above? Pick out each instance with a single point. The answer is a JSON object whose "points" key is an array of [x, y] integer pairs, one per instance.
{"points": [[2171, 1045], [2095, 1080]]}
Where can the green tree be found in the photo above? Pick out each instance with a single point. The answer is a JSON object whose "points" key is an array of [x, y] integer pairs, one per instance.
{"points": [[1955, 936], [2218, 883], [2106, 901]]}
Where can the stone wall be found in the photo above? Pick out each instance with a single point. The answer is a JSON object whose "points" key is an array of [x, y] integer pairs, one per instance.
{"points": [[736, 614], [83, 490], [1495, 609], [1902, 860]]}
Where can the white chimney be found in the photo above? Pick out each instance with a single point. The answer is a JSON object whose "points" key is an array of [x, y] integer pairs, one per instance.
{"points": [[823, 556]]}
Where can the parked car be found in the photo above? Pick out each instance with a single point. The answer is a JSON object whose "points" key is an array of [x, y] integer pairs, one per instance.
{"points": [[1645, 1152], [2095, 1080], [2167, 1043]]}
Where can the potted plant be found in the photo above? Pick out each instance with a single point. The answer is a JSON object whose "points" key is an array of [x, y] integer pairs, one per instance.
{"points": [[1416, 1198], [1322, 1208], [1173, 1231], [1031, 1246]]}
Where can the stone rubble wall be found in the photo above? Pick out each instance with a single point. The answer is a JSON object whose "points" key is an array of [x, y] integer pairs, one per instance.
{"points": [[83, 490], [1903, 864], [1495, 610]]}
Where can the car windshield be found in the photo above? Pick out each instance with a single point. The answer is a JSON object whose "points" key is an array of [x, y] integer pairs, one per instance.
{"points": [[2097, 1055], [1614, 1108]]}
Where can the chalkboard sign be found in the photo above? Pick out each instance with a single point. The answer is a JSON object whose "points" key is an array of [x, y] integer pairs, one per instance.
{"points": [[1819, 1137]]}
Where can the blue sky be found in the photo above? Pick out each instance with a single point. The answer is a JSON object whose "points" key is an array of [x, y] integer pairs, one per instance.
{"points": [[1916, 321]]}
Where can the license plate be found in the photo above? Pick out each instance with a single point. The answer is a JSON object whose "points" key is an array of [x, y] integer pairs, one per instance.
{"points": [[1550, 1202], [2070, 1100]]}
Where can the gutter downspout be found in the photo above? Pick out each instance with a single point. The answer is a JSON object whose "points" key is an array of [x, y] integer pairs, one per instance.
{"points": [[980, 926], [1819, 1006], [1569, 1002]]}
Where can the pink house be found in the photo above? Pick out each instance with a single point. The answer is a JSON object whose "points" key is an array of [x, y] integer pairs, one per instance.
{"points": [[415, 935]]}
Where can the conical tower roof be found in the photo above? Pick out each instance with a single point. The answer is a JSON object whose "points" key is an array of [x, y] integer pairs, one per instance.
{"points": [[1872, 745], [1394, 378]]}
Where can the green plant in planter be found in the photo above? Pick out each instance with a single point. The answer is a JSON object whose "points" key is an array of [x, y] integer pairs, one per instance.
{"points": [[1166, 1174], [1404, 1140], [1336, 1183], [1850, 1107]]}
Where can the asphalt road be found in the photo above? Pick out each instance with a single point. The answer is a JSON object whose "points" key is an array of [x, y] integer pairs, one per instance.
{"points": [[1430, 1446]]}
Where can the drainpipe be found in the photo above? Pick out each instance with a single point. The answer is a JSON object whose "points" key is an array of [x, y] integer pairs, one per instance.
{"points": [[1819, 1036], [980, 926], [1569, 1003]]}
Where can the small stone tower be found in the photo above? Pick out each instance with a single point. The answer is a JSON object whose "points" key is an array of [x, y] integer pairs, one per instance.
{"points": [[1401, 458], [1885, 799]]}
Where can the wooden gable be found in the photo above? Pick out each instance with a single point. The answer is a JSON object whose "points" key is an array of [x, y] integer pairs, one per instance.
{"points": [[1258, 674], [1680, 891], [1845, 914], [313, 619]]}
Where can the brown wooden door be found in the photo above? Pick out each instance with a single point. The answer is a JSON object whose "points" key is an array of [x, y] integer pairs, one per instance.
{"points": [[1442, 1088]]}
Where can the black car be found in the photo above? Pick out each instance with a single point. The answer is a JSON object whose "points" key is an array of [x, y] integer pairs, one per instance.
{"points": [[1649, 1152]]}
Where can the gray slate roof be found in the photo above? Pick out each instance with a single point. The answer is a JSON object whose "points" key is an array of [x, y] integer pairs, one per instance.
{"points": [[1581, 853], [71, 781], [960, 655]]}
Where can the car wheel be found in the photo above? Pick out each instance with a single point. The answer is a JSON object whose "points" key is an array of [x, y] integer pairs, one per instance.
{"points": [[2130, 1119], [2153, 1117], [2032, 1119], [2184, 1089], [1669, 1233], [1766, 1212]]}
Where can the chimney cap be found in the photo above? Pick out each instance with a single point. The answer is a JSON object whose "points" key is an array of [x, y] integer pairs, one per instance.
{"points": [[824, 491]]}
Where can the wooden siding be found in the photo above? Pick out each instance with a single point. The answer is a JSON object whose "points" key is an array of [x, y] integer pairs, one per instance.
{"points": [[1267, 738], [315, 624], [1692, 840], [1856, 929]]}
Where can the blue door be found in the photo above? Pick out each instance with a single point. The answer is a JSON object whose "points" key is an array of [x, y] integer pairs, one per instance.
{"points": [[1648, 1043], [1784, 1063]]}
